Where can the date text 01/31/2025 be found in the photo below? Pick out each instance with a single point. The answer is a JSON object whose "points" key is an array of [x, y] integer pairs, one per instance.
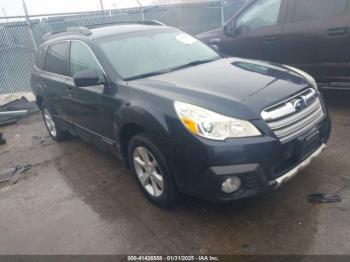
{"points": [[173, 258]]}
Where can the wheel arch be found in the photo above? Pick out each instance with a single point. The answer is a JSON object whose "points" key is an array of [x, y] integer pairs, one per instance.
{"points": [[39, 101], [127, 132], [139, 120]]}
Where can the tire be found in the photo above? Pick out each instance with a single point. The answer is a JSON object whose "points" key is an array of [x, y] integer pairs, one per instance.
{"points": [[52, 126], [160, 187]]}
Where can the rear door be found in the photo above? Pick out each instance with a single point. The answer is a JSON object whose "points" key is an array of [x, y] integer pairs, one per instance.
{"points": [[38, 78], [316, 38], [258, 29], [54, 77]]}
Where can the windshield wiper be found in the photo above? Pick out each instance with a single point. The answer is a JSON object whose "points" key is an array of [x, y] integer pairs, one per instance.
{"points": [[147, 75], [193, 63]]}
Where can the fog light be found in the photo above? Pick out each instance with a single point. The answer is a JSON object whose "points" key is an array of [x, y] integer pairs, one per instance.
{"points": [[231, 185]]}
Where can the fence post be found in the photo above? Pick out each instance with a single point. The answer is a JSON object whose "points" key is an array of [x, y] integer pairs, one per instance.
{"points": [[142, 10], [222, 12], [101, 4], [5, 14], [30, 29]]}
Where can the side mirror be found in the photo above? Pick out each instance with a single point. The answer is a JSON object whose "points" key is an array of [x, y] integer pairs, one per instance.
{"points": [[230, 28], [86, 77]]}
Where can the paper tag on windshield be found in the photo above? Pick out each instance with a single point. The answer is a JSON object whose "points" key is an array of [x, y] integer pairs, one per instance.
{"points": [[186, 39]]}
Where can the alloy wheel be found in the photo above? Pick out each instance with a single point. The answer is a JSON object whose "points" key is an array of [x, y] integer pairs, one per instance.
{"points": [[148, 172], [50, 123]]}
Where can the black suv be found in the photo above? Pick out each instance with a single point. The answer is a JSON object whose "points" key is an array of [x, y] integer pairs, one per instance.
{"points": [[313, 35], [183, 118]]}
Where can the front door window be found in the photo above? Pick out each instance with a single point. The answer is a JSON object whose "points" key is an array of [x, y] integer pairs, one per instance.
{"points": [[82, 59], [262, 13]]}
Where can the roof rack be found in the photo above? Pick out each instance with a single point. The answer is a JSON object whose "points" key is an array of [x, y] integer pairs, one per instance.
{"points": [[147, 22], [85, 30]]}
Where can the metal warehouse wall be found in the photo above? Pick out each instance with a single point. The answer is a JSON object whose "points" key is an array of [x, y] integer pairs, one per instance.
{"points": [[19, 36]]}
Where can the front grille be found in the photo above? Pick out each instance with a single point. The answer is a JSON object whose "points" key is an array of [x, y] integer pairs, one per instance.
{"points": [[295, 116]]}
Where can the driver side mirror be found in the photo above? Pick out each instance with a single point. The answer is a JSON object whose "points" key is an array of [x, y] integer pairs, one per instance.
{"points": [[230, 28], [86, 77]]}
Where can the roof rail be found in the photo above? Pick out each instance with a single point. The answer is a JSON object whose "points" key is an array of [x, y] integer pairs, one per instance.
{"points": [[78, 30], [147, 22], [85, 30], [81, 30], [152, 22]]}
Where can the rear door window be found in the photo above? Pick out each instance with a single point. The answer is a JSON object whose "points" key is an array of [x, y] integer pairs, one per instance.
{"points": [[319, 9], [56, 60], [40, 58]]}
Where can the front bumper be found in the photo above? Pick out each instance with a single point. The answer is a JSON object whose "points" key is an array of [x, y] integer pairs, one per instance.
{"points": [[276, 183], [263, 163]]}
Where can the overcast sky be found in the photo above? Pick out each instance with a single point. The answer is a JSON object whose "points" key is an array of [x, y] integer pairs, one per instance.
{"points": [[14, 7]]}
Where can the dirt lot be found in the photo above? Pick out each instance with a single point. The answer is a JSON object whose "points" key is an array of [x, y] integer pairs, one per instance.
{"points": [[78, 200]]}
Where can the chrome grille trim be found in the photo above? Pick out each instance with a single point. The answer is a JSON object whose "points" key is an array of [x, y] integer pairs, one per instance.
{"points": [[285, 108], [297, 117], [294, 130], [287, 122]]}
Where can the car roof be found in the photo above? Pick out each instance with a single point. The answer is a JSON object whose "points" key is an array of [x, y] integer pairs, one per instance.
{"points": [[82, 33]]}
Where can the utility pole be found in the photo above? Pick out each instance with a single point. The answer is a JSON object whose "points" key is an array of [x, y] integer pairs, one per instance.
{"points": [[30, 29], [101, 5], [222, 12], [142, 10], [4, 11]]}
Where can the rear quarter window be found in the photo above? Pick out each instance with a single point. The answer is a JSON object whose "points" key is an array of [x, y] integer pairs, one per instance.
{"points": [[319, 9], [57, 58]]}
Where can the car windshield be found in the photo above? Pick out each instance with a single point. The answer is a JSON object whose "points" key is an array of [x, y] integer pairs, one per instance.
{"points": [[154, 52]]}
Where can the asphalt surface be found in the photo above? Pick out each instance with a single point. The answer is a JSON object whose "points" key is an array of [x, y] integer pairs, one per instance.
{"points": [[78, 200]]}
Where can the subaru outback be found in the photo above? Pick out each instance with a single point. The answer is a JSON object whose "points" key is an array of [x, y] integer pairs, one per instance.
{"points": [[183, 118]]}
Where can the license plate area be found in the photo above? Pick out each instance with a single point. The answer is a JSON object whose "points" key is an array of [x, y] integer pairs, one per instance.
{"points": [[308, 143]]}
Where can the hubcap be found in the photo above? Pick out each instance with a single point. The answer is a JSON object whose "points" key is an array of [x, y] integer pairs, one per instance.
{"points": [[148, 172], [50, 123]]}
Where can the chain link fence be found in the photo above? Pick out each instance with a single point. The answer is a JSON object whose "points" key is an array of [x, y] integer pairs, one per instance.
{"points": [[20, 36]]}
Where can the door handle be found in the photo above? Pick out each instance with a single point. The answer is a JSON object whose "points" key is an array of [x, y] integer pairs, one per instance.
{"points": [[270, 39], [70, 90], [214, 41], [337, 31]]}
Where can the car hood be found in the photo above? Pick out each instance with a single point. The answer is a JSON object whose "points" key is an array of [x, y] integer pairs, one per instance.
{"points": [[234, 86]]}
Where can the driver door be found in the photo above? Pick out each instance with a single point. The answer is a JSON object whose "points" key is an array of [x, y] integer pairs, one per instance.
{"points": [[85, 102], [257, 31]]}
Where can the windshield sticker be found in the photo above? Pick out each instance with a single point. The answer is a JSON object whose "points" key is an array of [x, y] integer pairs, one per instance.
{"points": [[186, 39]]}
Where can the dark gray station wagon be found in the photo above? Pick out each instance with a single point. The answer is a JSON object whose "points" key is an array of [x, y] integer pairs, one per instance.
{"points": [[183, 118]]}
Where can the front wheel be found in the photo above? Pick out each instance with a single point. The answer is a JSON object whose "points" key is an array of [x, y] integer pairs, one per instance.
{"points": [[151, 171]]}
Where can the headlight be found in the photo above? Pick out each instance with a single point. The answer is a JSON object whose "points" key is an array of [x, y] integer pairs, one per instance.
{"points": [[211, 125], [308, 77]]}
